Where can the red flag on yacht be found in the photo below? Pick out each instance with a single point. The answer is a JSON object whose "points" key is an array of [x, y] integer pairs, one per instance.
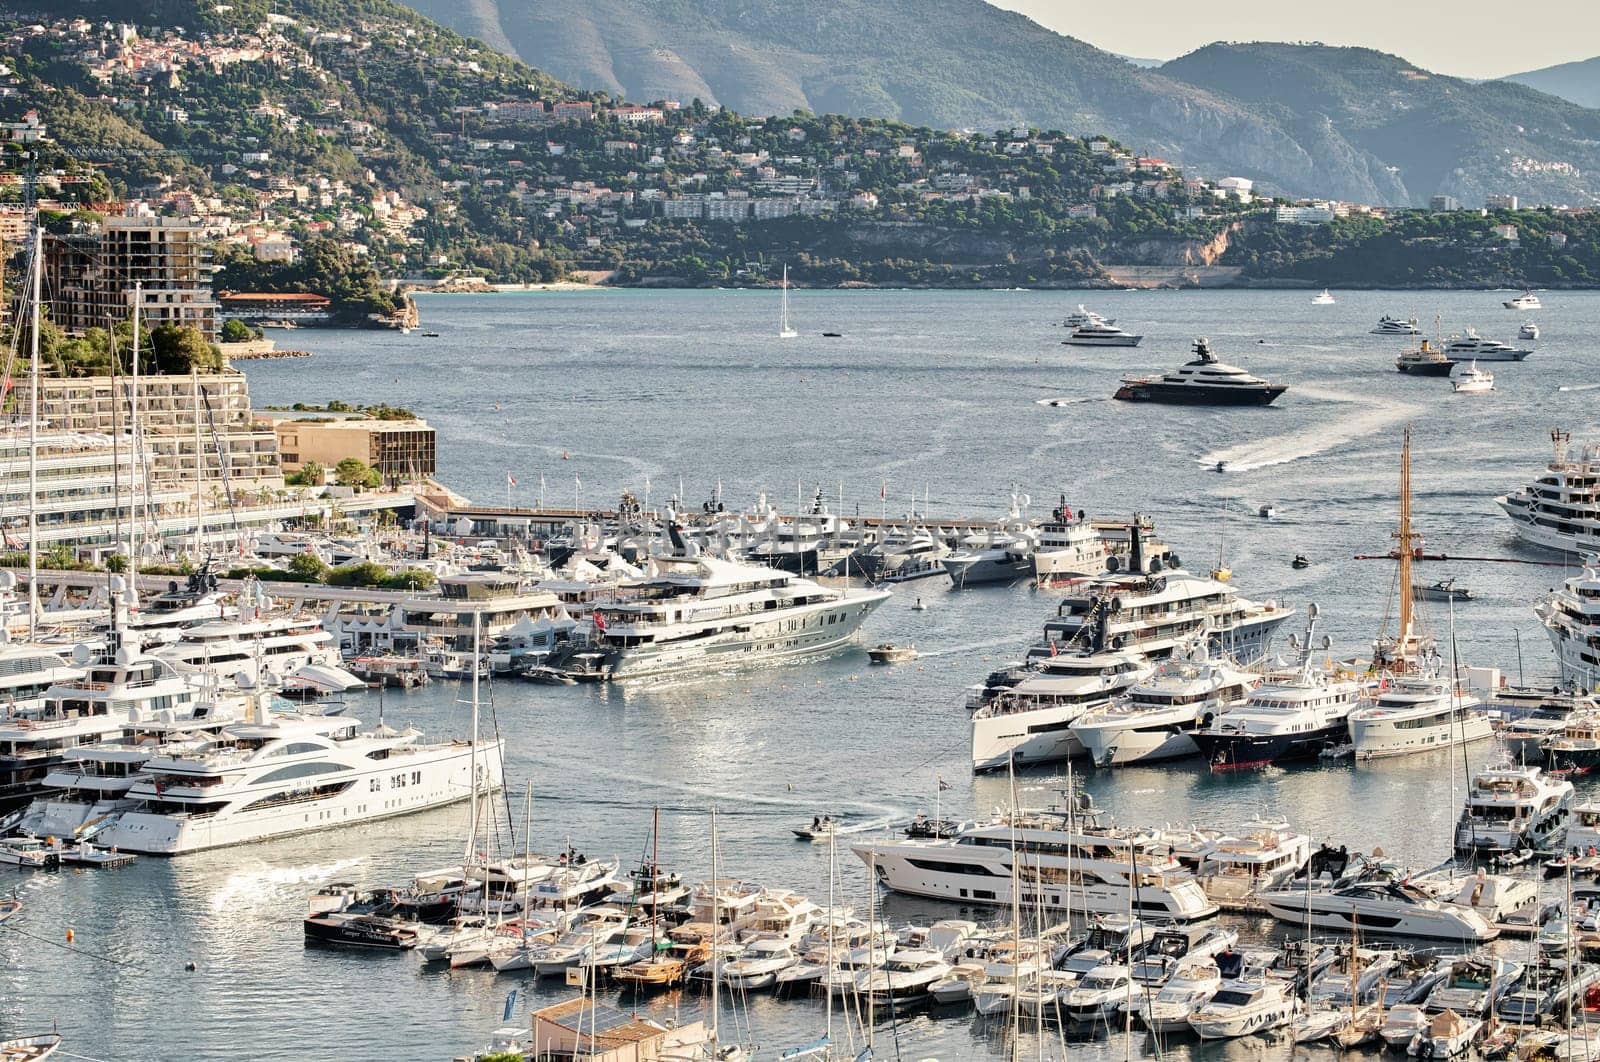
{"points": [[599, 621]]}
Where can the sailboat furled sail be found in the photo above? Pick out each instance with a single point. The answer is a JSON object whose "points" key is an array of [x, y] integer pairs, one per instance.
{"points": [[785, 329]]}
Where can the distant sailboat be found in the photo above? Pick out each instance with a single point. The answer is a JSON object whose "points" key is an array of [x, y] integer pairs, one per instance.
{"points": [[785, 329]]}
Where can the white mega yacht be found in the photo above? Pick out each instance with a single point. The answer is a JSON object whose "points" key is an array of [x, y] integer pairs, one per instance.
{"points": [[259, 649], [1057, 859], [695, 613], [1157, 717], [1473, 347], [1101, 334], [84, 794], [1067, 547], [1418, 713], [1571, 615], [1108, 634], [1561, 509], [276, 774]]}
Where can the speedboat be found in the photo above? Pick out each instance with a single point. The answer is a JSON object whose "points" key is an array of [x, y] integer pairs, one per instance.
{"points": [[819, 830], [1324, 299], [1204, 381], [1243, 1008], [1443, 590], [1394, 326], [1529, 331], [1376, 901], [1526, 301], [1473, 985], [904, 975], [1102, 992], [1101, 334], [30, 853], [890, 653], [1402, 1024], [760, 964], [1474, 381], [1473, 347]]}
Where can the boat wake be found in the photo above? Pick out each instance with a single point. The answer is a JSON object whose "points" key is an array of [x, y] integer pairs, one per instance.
{"points": [[1070, 401], [1578, 387], [1279, 450], [248, 886]]}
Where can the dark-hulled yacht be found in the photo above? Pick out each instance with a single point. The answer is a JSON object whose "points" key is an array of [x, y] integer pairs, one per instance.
{"points": [[1205, 381]]}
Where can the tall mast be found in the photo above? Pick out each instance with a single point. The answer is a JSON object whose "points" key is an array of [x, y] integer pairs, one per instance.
{"points": [[138, 452], [33, 432], [716, 920], [1404, 536], [199, 473], [472, 828]]}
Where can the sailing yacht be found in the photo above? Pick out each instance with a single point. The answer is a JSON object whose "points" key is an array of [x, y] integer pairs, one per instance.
{"points": [[785, 329], [1560, 510]]}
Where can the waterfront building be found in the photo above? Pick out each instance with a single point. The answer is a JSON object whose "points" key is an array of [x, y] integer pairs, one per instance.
{"points": [[399, 449], [90, 277]]}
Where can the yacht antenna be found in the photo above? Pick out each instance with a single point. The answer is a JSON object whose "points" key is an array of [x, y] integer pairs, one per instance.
{"points": [[1560, 440]]}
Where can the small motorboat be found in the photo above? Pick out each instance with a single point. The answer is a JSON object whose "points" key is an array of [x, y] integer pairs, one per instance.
{"points": [[1443, 590], [1266, 512], [1526, 301], [923, 828], [1300, 561], [889, 653], [832, 335], [29, 853], [1474, 381], [1325, 299], [1529, 330], [819, 830], [919, 605], [1221, 466], [29, 1048], [430, 335]]}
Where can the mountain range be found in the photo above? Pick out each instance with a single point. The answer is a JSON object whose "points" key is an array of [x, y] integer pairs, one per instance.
{"points": [[1305, 120], [1578, 82]]}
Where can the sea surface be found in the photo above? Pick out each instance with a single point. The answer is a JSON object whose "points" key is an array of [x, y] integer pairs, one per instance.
{"points": [[937, 400]]}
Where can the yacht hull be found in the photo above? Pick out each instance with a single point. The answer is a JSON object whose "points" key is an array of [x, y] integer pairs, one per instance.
{"points": [[1137, 743], [1043, 735], [1228, 752], [991, 884], [980, 571], [445, 778], [1383, 736], [821, 629], [1426, 368], [1200, 396]]}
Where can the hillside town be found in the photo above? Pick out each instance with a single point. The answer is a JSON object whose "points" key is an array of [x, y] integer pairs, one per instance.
{"points": [[264, 137]]}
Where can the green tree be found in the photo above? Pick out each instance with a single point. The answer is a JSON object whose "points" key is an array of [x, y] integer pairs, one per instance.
{"points": [[311, 474], [309, 567], [236, 331], [178, 350], [354, 472]]}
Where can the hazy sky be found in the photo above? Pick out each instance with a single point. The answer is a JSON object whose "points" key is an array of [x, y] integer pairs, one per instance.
{"points": [[1475, 39]]}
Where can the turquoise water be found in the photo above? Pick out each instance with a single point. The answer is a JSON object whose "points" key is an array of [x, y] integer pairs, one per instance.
{"points": [[926, 392]]}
